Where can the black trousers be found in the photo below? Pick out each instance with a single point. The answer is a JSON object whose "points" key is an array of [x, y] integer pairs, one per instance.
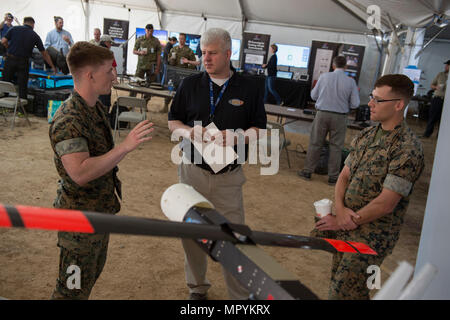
{"points": [[2, 50], [19, 67], [434, 115]]}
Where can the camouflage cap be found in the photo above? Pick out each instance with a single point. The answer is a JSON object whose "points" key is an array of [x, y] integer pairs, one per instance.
{"points": [[106, 38]]}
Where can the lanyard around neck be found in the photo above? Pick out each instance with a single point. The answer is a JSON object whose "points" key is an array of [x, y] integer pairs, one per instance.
{"points": [[211, 97]]}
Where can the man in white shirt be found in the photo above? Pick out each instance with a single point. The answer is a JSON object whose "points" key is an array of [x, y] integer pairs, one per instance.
{"points": [[335, 94]]}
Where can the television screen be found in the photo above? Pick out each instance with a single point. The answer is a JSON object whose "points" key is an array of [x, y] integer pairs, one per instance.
{"points": [[160, 34], [192, 40], [292, 56], [235, 49]]}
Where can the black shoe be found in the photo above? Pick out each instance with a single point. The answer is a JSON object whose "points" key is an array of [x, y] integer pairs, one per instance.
{"points": [[306, 175], [332, 181], [197, 296]]}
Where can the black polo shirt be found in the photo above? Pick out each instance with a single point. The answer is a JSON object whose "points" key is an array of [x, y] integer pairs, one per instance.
{"points": [[22, 40], [240, 107]]}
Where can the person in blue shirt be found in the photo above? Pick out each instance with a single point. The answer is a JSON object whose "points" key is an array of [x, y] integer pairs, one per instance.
{"points": [[59, 38], [335, 94], [271, 75], [20, 41], [5, 25]]}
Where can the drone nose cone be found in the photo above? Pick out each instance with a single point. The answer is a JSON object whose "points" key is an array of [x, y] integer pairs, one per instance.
{"points": [[179, 198]]}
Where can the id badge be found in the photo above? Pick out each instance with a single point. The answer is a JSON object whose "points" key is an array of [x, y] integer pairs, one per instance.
{"points": [[152, 50]]}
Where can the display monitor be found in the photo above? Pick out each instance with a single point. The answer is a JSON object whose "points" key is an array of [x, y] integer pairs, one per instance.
{"points": [[177, 74], [160, 34], [292, 56], [192, 40], [284, 74], [235, 49]]}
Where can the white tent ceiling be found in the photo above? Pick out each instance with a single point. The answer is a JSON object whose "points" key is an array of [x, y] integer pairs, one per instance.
{"points": [[296, 22], [339, 15]]}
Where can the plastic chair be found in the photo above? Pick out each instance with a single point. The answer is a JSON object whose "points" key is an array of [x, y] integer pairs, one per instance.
{"points": [[130, 116], [12, 102]]}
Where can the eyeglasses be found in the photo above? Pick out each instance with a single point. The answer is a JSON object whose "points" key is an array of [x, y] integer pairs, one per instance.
{"points": [[377, 101]]}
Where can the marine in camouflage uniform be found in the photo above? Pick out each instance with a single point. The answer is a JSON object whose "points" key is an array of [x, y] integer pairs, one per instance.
{"points": [[378, 159], [177, 53], [148, 65], [76, 127]]}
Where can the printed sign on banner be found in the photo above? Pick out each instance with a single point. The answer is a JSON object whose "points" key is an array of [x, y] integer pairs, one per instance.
{"points": [[118, 30], [255, 50], [354, 55], [322, 54]]}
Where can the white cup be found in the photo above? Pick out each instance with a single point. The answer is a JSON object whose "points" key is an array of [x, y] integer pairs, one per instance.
{"points": [[323, 207]]}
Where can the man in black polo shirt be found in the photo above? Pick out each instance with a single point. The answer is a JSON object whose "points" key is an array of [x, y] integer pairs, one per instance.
{"points": [[231, 102], [20, 41]]}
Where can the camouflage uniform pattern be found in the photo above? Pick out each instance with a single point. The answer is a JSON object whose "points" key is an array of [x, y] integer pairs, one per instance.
{"points": [[76, 127], [184, 52], [94, 42], [394, 161], [146, 63]]}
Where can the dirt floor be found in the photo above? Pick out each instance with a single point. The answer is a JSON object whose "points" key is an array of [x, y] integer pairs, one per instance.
{"points": [[141, 267]]}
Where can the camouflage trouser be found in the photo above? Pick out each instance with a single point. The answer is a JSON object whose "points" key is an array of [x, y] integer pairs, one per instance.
{"points": [[349, 275], [86, 251], [148, 75]]}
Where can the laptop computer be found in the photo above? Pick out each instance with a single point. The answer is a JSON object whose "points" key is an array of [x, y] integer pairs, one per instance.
{"points": [[284, 74]]}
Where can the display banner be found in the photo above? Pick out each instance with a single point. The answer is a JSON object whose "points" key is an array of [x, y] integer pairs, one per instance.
{"points": [[354, 55], [118, 30], [255, 50], [321, 58]]}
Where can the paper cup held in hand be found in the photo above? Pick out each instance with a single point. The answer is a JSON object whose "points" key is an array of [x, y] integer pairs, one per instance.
{"points": [[323, 207]]}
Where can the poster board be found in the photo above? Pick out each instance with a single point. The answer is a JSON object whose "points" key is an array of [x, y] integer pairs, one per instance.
{"points": [[322, 54], [354, 55], [254, 54], [320, 61], [118, 30]]}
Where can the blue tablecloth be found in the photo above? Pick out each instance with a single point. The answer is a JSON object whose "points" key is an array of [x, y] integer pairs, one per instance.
{"points": [[47, 80]]}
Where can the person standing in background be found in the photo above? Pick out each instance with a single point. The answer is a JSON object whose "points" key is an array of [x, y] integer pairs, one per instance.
{"points": [[182, 56], [148, 49], [59, 38], [5, 25], [439, 85], [20, 41], [335, 94], [168, 47], [271, 75], [97, 34]]}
